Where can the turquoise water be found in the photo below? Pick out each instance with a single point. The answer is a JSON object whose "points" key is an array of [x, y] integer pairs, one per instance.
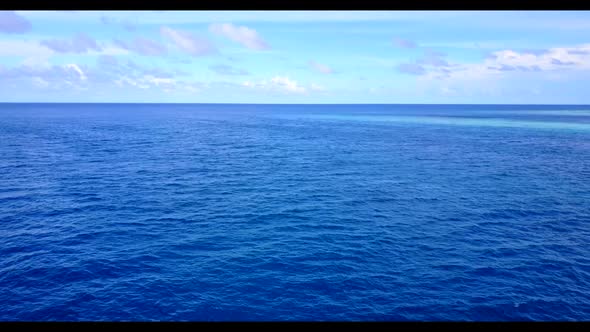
{"points": [[440, 120]]}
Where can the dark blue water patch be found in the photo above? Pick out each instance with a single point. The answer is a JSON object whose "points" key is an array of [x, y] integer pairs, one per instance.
{"points": [[294, 212]]}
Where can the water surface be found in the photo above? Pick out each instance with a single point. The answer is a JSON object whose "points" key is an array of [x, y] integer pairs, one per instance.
{"points": [[294, 212]]}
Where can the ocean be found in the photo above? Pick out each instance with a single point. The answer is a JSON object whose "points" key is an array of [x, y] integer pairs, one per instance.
{"points": [[219, 212]]}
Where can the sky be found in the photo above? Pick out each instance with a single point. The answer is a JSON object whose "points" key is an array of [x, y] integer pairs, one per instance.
{"points": [[365, 57]]}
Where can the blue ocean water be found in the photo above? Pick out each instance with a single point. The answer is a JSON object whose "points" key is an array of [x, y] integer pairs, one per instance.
{"points": [[177, 212]]}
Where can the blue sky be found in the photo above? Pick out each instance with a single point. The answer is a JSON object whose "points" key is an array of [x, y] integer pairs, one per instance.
{"points": [[503, 57]]}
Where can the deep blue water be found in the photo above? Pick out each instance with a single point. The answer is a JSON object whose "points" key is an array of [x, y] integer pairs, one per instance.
{"points": [[294, 212]]}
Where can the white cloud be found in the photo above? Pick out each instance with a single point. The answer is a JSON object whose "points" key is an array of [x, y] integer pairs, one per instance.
{"points": [[166, 84], [157, 81], [109, 73], [282, 84], [55, 77], [548, 63], [503, 72], [77, 70], [287, 84], [554, 58], [240, 34], [186, 41]]}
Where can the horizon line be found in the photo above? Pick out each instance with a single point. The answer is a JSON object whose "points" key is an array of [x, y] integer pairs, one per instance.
{"points": [[201, 103]]}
